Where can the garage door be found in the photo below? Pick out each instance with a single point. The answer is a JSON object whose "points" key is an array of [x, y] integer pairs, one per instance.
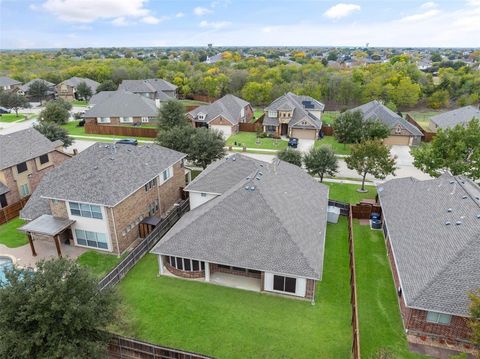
{"points": [[305, 134], [226, 130], [397, 140]]}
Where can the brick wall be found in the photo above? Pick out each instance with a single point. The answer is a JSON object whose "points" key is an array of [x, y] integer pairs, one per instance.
{"points": [[181, 273], [170, 191], [215, 268], [310, 291]]}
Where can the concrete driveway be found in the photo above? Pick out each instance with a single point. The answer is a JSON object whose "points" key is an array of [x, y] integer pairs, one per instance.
{"points": [[305, 145], [405, 167]]}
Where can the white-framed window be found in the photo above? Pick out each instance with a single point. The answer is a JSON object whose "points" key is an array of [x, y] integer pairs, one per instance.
{"points": [[438, 318], [201, 116], [167, 174], [24, 190], [272, 113], [85, 210], [91, 239], [145, 119], [103, 119], [126, 119]]}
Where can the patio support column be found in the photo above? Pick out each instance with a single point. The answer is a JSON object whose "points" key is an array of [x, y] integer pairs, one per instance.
{"points": [[160, 264], [207, 272], [57, 244], [32, 247]]}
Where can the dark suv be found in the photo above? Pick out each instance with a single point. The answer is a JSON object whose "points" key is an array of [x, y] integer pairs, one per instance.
{"points": [[293, 142]]}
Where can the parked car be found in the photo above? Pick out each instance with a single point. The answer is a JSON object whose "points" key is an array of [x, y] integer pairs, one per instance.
{"points": [[293, 142], [4, 110], [127, 141]]}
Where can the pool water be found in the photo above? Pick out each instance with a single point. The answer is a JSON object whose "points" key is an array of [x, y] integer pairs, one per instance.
{"points": [[5, 262]]}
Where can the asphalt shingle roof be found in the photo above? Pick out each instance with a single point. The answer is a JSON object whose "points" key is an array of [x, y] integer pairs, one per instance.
{"points": [[26, 87], [375, 110], [7, 81], [229, 107], [452, 118], [438, 264], [279, 227], [148, 85], [123, 104], [75, 81], [100, 97], [20, 146]]}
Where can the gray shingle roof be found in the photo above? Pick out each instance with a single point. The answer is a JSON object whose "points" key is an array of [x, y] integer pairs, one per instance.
{"points": [[36, 205], [24, 145], [437, 263], [461, 115], [279, 227], [26, 87], [75, 81], [295, 103], [148, 85], [7, 81], [123, 104], [375, 110], [229, 107], [105, 174], [100, 97]]}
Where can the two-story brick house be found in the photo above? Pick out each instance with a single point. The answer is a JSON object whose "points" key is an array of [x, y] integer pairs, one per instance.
{"points": [[99, 198], [25, 157], [67, 89], [292, 115]]}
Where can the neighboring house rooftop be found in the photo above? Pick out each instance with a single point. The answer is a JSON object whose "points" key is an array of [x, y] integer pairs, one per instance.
{"points": [[7, 81], [103, 174], [279, 226], [20, 146], [123, 104], [300, 105], [229, 107], [461, 116], [75, 81], [148, 85], [100, 97], [438, 263], [375, 110], [26, 87]]}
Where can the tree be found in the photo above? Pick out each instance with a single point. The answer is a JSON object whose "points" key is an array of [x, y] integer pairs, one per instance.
{"points": [[171, 114], [374, 130], [205, 147], [177, 138], [55, 312], [13, 100], [371, 157], [435, 57], [438, 99], [474, 322], [54, 132], [38, 90], [63, 103], [321, 161], [406, 93], [84, 91], [108, 85], [456, 150], [348, 127], [291, 155], [54, 111]]}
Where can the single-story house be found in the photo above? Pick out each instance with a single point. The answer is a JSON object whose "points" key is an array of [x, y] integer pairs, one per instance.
{"points": [[460, 116], [224, 115], [25, 89], [432, 233], [6, 83], [294, 116], [121, 108], [67, 89], [402, 132], [253, 225], [99, 198], [155, 89]]}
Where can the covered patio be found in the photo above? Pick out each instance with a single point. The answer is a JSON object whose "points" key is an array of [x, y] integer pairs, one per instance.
{"points": [[236, 281]]}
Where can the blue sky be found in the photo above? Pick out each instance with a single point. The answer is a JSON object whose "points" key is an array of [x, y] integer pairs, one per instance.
{"points": [[96, 23]]}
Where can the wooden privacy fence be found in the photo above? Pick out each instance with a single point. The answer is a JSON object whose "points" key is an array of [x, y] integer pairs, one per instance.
{"points": [[353, 290], [365, 210], [128, 348], [427, 135], [12, 211], [122, 268], [203, 98], [93, 128]]}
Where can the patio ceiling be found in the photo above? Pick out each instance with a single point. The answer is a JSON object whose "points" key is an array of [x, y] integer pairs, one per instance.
{"points": [[47, 225]]}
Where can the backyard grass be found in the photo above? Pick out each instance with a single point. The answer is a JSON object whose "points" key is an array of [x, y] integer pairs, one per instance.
{"points": [[249, 139], [338, 148], [329, 117], [98, 263], [257, 112], [423, 117], [10, 236], [193, 102], [195, 173], [11, 117], [79, 103], [346, 192], [379, 313], [232, 323], [75, 130]]}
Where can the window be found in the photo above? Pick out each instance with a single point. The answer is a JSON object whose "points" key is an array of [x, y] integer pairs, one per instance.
{"points": [[24, 190], [145, 119], [91, 239], [201, 116], [44, 159], [22, 167], [270, 128], [186, 264], [439, 318], [398, 130], [203, 194], [195, 265], [272, 114], [284, 284], [153, 208], [126, 119], [151, 184], [166, 174], [3, 201], [238, 269], [85, 210], [103, 120]]}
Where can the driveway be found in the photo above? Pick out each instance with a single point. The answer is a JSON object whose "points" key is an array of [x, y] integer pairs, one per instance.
{"points": [[305, 145], [405, 167]]}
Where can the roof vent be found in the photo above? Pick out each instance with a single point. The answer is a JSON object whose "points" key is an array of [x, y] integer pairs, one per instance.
{"points": [[247, 188], [258, 178], [95, 168], [252, 188], [234, 159], [447, 223], [260, 173], [261, 165], [464, 197], [452, 182], [248, 177], [449, 210], [458, 223], [478, 216]]}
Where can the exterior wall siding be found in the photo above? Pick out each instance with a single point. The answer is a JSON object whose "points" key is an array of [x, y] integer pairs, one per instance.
{"points": [[170, 192]]}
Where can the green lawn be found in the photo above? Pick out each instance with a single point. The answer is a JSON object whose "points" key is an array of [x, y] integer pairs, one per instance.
{"points": [[10, 236], [79, 103], [249, 139], [345, 192], [99, 263], [379, 313], [195, 173], [328, 117], [338, 148], [75, 130], [193, 102], [257, 112], [11, 117], [423, 117], [233, 323]]}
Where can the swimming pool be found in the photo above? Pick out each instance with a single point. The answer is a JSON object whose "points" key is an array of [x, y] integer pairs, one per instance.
{"points": [[5, 262]]}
